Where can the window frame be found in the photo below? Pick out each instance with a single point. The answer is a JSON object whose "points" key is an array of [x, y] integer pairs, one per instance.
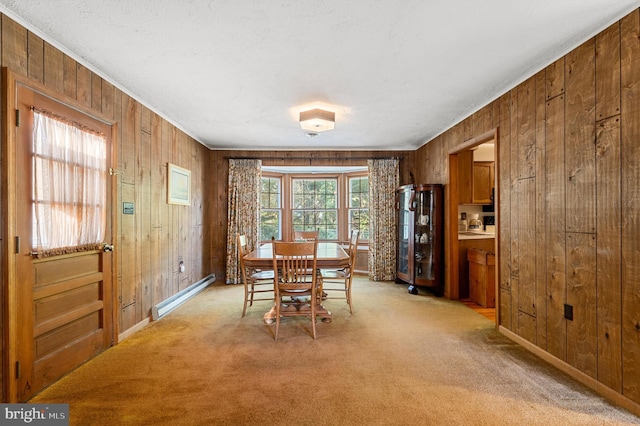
{"points": [[348, 207], [286, 185], [279, 209]]}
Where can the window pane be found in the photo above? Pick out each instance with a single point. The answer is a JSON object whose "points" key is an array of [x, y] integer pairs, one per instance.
{"points": [[315, 207], [270, 208], [264, 200], [270, 224], [358, 206]]}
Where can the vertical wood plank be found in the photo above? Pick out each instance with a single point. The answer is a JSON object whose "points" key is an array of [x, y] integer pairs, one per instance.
{"points": [[176, 244], [196, 210], [83, 85], [166, 211], [53, 68], [630, 135], [581, 294], [540, 212], [220, 236], [117, 180], [527, 326], [184, 159], [70, 72], [156, 210], [580, 138], [554, 208], [457, 135], [127, 285], [422, 162], [515, 229], [467, 128], [483, 120], [96, 92], [145, 120], [127, 142], [555, 227], [555, 79], [14, 46], [143, 194], [526, 197], [35, 57], [608, 253], [525, 134], [142, 210], [503, 168], [440, 168], [108, 93], [608, 72], [128, 253]]}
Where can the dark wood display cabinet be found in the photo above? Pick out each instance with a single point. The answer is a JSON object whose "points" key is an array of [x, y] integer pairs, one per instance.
{"points": [[420, 256]]}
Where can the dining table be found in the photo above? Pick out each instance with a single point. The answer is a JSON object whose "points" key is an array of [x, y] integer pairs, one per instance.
{"points": [[329, 256]]}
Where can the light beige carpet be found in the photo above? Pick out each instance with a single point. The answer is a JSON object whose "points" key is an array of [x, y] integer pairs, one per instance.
{"points": [[399, 359]]}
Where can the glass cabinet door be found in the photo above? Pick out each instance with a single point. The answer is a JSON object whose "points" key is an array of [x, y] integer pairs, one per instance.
{"points": [[405, 233], [424, 237]]}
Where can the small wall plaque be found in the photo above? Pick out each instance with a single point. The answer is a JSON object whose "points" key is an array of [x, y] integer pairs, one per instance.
{"points": [[127, 208]]}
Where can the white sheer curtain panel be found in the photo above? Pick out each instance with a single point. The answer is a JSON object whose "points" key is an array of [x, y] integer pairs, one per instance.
{"points": [[69, 186]]}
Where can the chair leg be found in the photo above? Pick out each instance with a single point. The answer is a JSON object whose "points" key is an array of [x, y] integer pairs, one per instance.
{"points": [[246, 296], [252, 292], [313, 319], [278, 304]]}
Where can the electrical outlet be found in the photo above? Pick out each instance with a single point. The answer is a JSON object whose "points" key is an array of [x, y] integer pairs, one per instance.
{"points": [[568, 312]]}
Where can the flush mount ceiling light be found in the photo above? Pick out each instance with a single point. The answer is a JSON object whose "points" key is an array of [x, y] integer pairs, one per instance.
{"points": [[317, 120]]}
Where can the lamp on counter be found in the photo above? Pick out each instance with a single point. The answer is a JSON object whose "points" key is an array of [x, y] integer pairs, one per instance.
{"points": [[317, 120]]}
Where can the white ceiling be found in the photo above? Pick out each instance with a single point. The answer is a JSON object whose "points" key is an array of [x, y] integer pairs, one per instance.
{"points": [[234, 74]]}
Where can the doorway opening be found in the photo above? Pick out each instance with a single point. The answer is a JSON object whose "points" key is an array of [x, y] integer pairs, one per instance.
{"points": [[473, 216]]}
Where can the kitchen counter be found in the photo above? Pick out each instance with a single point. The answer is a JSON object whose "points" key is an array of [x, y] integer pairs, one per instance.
{"points": [[475, 235]]}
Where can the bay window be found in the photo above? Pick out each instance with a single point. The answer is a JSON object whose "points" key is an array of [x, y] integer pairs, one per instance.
{"points": [[332, 203]]}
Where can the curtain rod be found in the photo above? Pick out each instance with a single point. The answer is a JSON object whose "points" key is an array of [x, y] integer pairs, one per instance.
{"points": [[314, 158]]}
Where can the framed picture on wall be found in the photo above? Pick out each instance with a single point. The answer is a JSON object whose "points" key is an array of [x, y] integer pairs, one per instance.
{"points": [[179, 187]]}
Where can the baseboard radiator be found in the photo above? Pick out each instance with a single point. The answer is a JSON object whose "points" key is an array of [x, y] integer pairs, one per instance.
{"points": [[168, 305]]}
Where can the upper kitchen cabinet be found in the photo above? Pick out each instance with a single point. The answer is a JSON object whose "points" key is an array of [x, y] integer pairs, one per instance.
{"points": [[475, 179], [483, 178]]}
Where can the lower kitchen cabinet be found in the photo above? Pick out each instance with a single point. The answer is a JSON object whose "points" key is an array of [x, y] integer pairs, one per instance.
{"points": [[482, 288]]}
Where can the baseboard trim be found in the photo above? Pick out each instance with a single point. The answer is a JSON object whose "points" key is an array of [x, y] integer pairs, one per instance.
{"points": [[581, 377], [133, 330], [166, 306]]}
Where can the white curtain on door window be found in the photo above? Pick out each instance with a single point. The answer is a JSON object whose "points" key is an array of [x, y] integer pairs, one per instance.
{"points": [[69, 186]]}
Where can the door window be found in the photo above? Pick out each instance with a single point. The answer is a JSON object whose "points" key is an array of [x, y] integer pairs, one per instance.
{"points": [[69, 185]]}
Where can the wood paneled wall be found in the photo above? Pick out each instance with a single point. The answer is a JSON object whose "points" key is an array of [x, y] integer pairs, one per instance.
{"points": [[150, 243], [569, 209], [219, 166], [569, 205]]}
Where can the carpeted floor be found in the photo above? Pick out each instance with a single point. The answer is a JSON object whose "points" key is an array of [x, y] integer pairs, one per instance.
{"points": [[398, 360]]}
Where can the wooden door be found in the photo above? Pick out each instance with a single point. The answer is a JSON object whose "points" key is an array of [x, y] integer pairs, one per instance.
{"points": [[61, 314]]}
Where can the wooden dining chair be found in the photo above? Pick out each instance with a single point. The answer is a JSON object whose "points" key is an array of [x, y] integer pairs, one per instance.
{"points": [[295, 287], [305, 235], [255, 281], [340, 280]]}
